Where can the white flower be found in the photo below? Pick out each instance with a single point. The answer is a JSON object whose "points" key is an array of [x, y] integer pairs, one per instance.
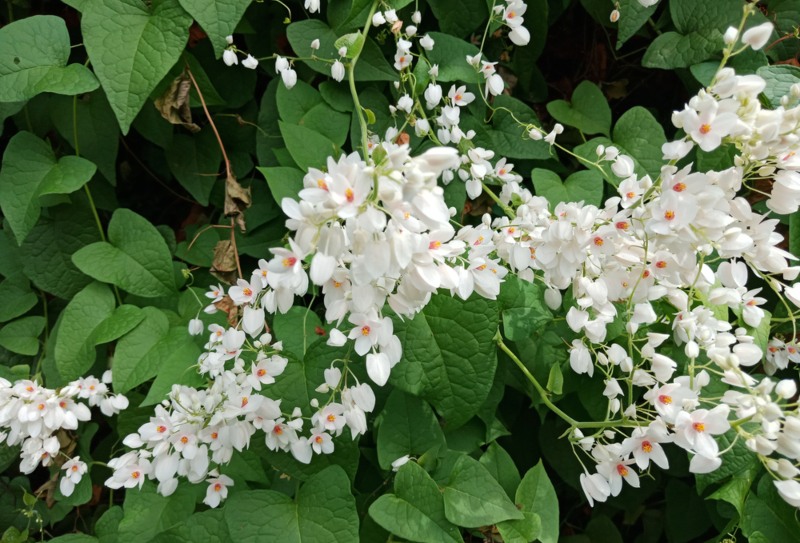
{"points": [[595, 486], [195, 327], [405, 103], [229, 57], [315, 44], [378, 19], [758, 36], [250, 62], [519, 35], [337, 70], [789, 491], [426, 42], [74, 470], [289, 77], [217, 488], [400, 462]]}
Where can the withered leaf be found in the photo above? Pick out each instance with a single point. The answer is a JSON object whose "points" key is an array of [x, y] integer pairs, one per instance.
{"points": [[237, 199], [224, 256], [174, 103]]}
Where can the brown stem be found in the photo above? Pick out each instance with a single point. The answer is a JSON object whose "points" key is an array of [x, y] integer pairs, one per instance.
{"points": [[228, 172]]}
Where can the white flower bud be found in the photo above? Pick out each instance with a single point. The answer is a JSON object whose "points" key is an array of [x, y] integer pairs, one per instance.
{"points": [[315, 44], [337, 71], [250, 62], [378, 19], [731, 35], [758, 36]]}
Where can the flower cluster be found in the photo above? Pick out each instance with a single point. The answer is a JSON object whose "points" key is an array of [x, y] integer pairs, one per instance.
{"points": [[37, 418]]}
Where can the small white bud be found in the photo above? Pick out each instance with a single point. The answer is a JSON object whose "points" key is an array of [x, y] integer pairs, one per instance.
{"points": [[416, 17], [614, 17], [315, 44]]}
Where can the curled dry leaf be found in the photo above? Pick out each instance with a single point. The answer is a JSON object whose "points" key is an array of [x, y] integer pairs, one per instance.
{"points": [[174, 103], [237, 199]]}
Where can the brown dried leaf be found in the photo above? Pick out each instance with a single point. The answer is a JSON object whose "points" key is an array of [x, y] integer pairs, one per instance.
{"points": [[227, 305], [237, 199], [174, 103], [224, 256]]}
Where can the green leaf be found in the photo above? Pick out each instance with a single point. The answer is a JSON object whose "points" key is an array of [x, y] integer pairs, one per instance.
{"points": [[672, 50], [794, 233], [536, 496], [283, 182], [174, 359], [194, 161], [137, 356], [303, 106], [136, 257], [506, 134], [450, 53], [323, 512], [372, 65], [588, 112], [22, 336], [768, 515], [641, 136], [501, 466], [132, 45], [416, 509], [449, 356], [585, 186], [94, 121], [779, 81], [15, 291], [297, 329], [35, 54], [473, 498], [148, 513], [692, 16], [555, 379], [352, 42], [633, 16], [459, 17], [217, 17], [207, 526], [120, 322], [30, 170], [74, 350], [81, 494], [47, 251], [409, 427], [308, 148]]}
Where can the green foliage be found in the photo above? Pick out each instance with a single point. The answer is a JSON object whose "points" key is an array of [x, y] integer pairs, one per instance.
{"points": [[324, 510], [136, 258], [30, 170], [35, 59], [588, 112], [409, 427], [132, 45]]}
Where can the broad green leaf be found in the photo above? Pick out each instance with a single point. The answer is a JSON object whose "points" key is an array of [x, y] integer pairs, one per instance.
{"points": [[415, 511], [371, 66], [692, 16], [139, 352], [297, 328], [30, 170], [672, 50], [35, 54], [501, 466], [602, 529], [473, 498], [206, 527], [132, 45], [585, 186], [175, 360], [47, 251], [450, 53], [449, 356], [283, 182], [794, 234], [506, 133], [409, 427], [217, 17], [308, 148], [736, 490], [686, 518], [323, 511], [345, 455], [537, 497], [81, 494], [633, 16], [136, 257], [555, 379], [767, 514], [785, 14], [459, 17], [779, 81], [303, 106], [98, 133], [120, 322], [194, 161], [76, 339], [588, 112], [147, 513], [15, 291], [641, 136], [22, 336]]}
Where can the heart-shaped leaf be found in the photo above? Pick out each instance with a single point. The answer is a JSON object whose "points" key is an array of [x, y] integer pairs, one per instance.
{"points": [[588, 112]]}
